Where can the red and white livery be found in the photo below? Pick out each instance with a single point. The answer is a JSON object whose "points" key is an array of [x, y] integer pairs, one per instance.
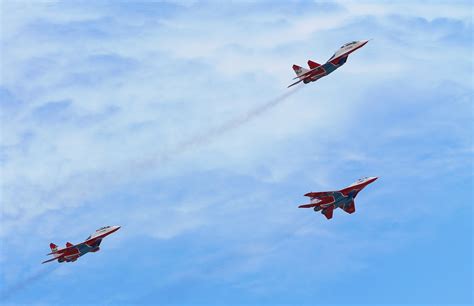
{"points": [[317, 71], [328, 201], [73, 251]]}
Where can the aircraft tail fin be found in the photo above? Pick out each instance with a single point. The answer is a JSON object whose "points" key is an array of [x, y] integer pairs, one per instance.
{"points": [[313, 65], [53, 247], [299, 70], [68, 244]]}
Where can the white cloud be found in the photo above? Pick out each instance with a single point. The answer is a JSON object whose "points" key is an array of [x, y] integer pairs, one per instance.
{"points": [[92, 140], [141, 90]]}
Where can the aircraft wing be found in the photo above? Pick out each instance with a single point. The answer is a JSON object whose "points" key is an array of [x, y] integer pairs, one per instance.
{"points": [[347, 190], [308, 205], [75, 246], [321, 200], [304, 76], [297, 82], [293, 84], [319, 194], [52, 259]]}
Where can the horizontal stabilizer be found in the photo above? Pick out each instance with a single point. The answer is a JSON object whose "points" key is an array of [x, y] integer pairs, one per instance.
{"points": [[319, 194]]}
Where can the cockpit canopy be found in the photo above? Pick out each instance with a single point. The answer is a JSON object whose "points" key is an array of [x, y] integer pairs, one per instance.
{"points": [[349, 44], [103, 228], [342, 49], [98, 232], [359, 181]]}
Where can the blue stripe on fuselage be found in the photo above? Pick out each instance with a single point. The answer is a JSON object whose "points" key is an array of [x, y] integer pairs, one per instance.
{"points": [[329, 67], [340, 200], [84, 249]]}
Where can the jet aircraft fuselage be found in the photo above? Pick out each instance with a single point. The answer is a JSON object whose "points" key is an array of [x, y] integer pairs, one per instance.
{"points": [[317, 71], [328, 201], [72, 252]]}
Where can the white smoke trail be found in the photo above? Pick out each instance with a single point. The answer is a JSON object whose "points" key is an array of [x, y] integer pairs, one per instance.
{"points": [[26, 282], [211, 134], [232, 124], [188, 144]]}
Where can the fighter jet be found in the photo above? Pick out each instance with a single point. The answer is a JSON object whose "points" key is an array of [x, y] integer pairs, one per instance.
{"points": [[72, 252], [317, 71], [327, 201]]}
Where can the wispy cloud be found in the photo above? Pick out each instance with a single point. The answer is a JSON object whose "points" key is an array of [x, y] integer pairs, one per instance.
{"points": [[28, 280], [168, 118]]}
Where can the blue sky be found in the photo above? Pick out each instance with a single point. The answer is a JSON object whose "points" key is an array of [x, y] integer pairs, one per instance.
{"points": [[171, 120]]}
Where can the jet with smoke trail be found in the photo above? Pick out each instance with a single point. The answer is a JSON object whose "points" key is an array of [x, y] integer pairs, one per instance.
{"points": [[317, 71], [30, 279], [234, 123], [72, 252]]}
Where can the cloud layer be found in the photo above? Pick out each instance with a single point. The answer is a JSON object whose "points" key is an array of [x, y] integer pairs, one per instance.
{"points": [[167, 118]]}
